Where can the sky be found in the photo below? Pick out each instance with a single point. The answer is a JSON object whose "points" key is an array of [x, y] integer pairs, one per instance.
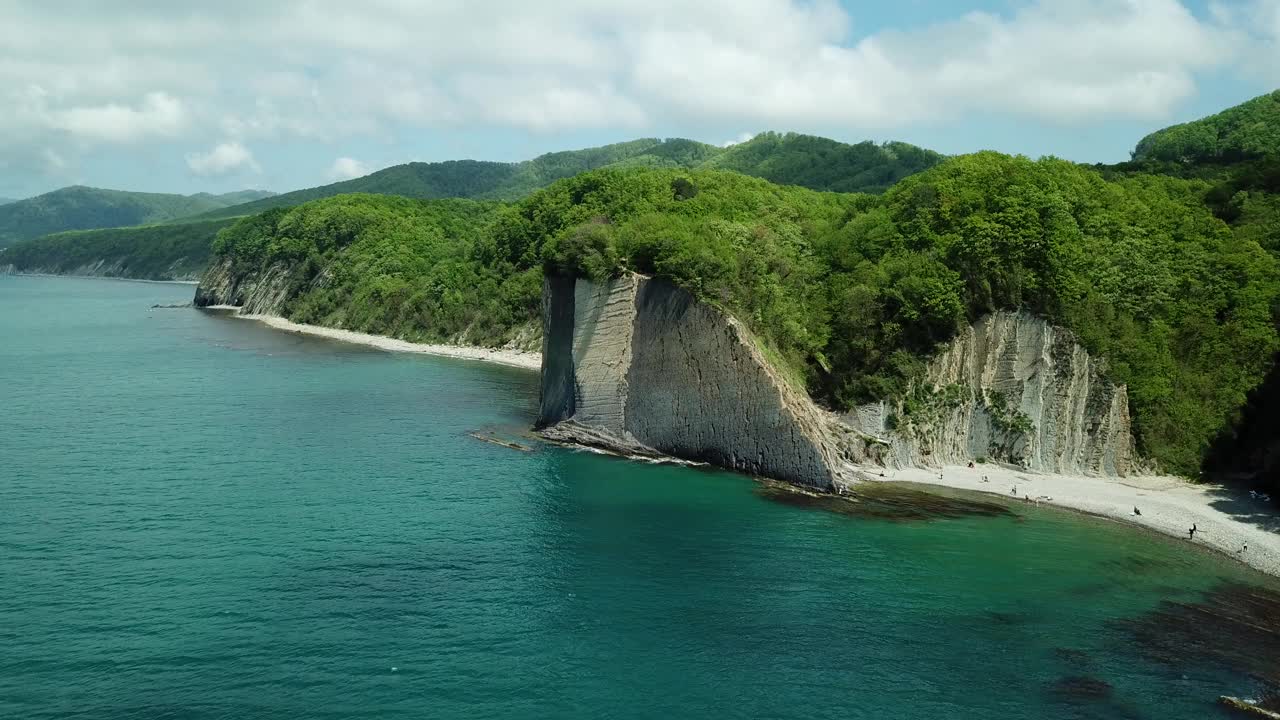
{"points": [[172, 96]]}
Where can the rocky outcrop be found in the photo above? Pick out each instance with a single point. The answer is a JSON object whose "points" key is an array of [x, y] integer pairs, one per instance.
{"points": [[639, 366], [256, 293], [1014, 388]]}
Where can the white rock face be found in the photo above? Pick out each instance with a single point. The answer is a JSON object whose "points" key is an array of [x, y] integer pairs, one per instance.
{"points": [[1021, 390], [257, 293], [640, 366]]}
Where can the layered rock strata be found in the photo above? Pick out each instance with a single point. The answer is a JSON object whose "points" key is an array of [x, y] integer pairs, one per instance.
{"points": [[640, 366], [1013, 388]]}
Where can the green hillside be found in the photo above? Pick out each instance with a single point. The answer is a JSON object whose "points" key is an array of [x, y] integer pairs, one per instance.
{"points": [[154, 252], [85, 208], [790, 159], [850, 292], [1248, 130]]}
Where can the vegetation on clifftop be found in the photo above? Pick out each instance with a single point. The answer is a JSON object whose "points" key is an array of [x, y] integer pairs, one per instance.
{"points": [[852, 292]]}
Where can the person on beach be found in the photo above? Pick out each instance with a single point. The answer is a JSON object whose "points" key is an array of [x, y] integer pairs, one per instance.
{"points": [[1191, 532], [1136, 511], [1014, 491]]}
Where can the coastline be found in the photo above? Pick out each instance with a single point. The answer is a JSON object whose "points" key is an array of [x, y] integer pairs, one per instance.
{"points": [[511, 358], [1226, 519], [102, 277]]}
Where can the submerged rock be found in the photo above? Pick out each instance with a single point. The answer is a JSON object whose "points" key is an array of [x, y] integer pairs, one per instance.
{"points": [[1074, 688], [883, 501], [1234, 625]]}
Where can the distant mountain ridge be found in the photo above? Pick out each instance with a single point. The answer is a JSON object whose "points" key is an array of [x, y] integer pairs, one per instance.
{"points": [[86, 208], [785, 158]]}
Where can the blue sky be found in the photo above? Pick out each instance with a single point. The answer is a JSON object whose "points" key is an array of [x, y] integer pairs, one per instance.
{"points": [[172, 97]]}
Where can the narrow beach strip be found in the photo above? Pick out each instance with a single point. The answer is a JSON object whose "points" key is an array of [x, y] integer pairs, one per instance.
{"points": [[511, 358], [1228, 521]]}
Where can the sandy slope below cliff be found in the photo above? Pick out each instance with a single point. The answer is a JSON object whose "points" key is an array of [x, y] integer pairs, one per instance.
{"points": [[513, 358], [1226, 519]]}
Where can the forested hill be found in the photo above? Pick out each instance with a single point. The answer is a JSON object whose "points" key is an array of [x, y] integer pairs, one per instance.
{"points": [[789, 159], [83, 208], [1246, 131], [6, 201], [850, 292]]}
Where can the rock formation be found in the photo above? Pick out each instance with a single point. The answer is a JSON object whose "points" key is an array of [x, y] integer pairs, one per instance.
{"points": [[1010, 387], [255, 293], [640, 366]]}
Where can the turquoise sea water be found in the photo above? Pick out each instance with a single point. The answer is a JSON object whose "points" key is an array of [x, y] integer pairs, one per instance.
{"points": [[204, 518]]}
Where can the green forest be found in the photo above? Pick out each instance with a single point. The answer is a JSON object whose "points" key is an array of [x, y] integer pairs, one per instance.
{"points": [[790, 159], [156, 252], [851, 291], [85, 208]]}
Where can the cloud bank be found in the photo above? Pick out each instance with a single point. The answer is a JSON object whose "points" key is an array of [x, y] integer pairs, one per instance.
{"points": [[86, 74]]}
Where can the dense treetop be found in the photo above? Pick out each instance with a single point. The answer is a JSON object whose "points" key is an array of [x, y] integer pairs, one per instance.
{"points": [[849, 292], [1248, 130], [83, 208]]}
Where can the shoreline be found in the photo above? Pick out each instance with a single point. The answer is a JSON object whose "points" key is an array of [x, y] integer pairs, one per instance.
{"points": [[1169, 505], [510, 358], [102, 277]]}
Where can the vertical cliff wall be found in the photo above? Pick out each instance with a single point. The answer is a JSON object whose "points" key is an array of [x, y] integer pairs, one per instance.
{"points": [[255, 293], [639, 365], [1011, 387]]}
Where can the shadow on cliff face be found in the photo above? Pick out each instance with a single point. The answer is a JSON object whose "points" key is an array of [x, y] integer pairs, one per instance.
{"points": [[1234, 625], [1246, 454], [883, 501]]}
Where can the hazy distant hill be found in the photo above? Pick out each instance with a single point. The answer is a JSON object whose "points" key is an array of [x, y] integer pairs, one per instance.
{"points": [[6, 201], [84, 208], [792, 159]]}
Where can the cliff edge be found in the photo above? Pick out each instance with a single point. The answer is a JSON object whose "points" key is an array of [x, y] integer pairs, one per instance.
{"points": [[640, 366]]}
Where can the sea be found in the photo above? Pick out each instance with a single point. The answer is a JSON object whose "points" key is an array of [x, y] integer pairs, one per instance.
{"points": [[202, 517]]}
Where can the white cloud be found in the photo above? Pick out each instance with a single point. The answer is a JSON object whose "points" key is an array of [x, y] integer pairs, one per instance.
{"points": [[326, 70], [741, 138], [345, 168], [158, 114], [223, 159]]}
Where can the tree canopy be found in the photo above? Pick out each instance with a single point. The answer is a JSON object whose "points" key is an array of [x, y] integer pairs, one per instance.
{"points": [[851, 293], [1248, 130]]}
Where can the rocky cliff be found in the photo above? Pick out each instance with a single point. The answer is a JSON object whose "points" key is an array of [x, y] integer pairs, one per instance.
{"points": [[640, 366], [262, 292], [1012, 388]]}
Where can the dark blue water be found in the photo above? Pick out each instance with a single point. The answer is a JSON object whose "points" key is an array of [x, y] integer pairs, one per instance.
{"points": [[204, 518]]}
